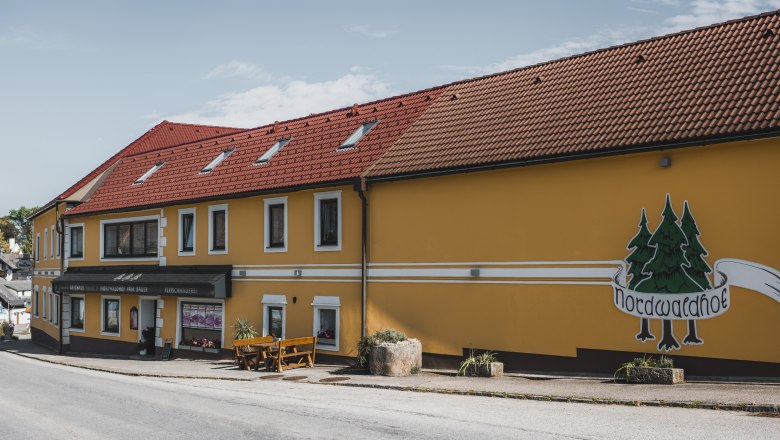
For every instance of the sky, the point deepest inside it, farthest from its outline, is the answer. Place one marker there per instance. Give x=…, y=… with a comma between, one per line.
x=81, y=80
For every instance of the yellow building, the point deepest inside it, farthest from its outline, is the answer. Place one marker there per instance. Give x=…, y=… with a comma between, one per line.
x=568, y=215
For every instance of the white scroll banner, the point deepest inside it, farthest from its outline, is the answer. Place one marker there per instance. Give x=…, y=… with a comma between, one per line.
x=698, y=305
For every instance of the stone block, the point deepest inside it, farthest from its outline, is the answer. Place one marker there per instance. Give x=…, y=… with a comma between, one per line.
x=398, y=359
x=655, y=375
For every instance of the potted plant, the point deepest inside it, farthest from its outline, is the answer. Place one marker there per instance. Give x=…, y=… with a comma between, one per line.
x=481, y=365
x=648, y=369
x=389, y=352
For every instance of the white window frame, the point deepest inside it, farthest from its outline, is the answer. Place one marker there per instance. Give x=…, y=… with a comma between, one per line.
x=327, y=303
x=274, y=301
x=45, y=300
x=321, y=196
x=267, y=224
x=38, y=247
x=45, y=239
x=202, y=300
x=83, y=319
x=68, y=245
x=213, y=208
x=183, y=212
x=55, y=306
x=103, y=299
x=59, y=245
x=51, y=243
x=36, y=301
x=125, y=220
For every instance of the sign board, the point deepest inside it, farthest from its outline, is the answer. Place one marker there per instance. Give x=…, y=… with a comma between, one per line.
x=166, y=353
x=24, y=266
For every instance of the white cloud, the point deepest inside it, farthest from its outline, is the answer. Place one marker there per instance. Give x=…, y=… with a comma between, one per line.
x=30, y=39
x=295, y=98
x=699, y=13
x=370, y=32
x=239, y=69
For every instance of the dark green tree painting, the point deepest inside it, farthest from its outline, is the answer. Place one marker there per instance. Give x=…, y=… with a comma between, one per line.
x=697, y=267
x=641, y=254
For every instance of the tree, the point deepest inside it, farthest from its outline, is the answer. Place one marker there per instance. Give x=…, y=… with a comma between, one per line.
x=7, y=228
x=697, y=267
x=19, y=217
x=641, y=254
x=667, y=273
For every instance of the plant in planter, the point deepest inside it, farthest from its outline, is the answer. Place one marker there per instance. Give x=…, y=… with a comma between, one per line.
x=389, y=352
x=242, y=329
x=482, y=365
x=648, y=369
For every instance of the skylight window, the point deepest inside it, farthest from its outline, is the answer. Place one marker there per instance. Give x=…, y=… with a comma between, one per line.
x=217, y=160
x=151, y=171
x=273, y=150
x=355, y=137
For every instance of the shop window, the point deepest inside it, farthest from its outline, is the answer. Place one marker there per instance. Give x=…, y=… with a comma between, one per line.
x=130, y=239
x=327, y=221
x=275, y=224
x=218, y=229
x=274, y=315
x=187, y=231
x=110, y=316
x=77, y=312
x=77, y=242
x=326, y=322
x=201, y=325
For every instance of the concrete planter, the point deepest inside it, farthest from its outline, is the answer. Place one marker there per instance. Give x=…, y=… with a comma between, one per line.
x=494, y=369
x=398, y=359
x=655, y=375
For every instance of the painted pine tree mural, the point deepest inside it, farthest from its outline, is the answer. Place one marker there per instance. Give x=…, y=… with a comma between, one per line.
x=641, y=254
x=697, y=267
x=667, y=273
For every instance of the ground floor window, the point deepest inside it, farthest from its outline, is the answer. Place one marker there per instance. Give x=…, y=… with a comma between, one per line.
x=55, y=316
x=110, y=315
x=201, y=324
x=326, y=322
x=274, y=315
x=77, y=312
x=35, y=302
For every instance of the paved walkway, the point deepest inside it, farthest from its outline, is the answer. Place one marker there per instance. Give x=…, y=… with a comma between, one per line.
x=755, y=397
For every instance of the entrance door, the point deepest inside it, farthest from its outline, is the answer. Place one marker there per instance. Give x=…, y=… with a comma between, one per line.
x=147, y=320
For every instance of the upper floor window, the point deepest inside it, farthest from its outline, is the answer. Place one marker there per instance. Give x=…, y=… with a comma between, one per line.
x=147, y=174
x=130, y=239
x=355, y=137
x=45, y=239
x=187, y=231
x=217, y=160
x=52, y=239
x=218, y=229
x=327, y=221
x=275, y=224
x=273, y=150
x=38, y=247
x=77, y=242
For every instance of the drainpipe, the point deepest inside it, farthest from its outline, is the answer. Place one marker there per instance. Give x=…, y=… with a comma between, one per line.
x=360, y=187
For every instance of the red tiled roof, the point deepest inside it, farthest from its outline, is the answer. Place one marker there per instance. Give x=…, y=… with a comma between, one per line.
x=164, y=134
x=310, y=158
x=714, y=82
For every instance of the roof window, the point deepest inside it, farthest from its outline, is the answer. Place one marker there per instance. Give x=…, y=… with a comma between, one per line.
x=217, y=160
x=355, y=137
x=273, y=150
x=147, y=174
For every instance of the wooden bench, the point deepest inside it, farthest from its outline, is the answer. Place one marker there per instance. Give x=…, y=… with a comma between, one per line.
x=246, y=356
x=304, y=349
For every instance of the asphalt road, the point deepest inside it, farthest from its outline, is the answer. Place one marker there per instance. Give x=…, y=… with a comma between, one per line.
x=46, y=401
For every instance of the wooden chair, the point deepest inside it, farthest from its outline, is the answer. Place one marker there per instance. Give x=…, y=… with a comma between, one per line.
x=304, y=349
x=246, y=357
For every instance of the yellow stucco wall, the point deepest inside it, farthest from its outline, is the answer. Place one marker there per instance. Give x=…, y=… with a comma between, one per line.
x=46, y=266
x=585, y=210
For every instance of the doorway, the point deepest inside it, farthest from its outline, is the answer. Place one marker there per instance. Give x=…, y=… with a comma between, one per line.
x=147, y=320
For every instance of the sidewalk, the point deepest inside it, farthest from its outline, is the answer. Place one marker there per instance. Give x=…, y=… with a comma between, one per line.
x=753, y=397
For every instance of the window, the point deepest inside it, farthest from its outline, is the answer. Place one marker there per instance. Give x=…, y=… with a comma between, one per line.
x=77, y=242
x=275, y=220
x=45, y=300
x=187, y=231
x=55, y=316
x=217, y=160
x=37, y=247
x=273, y=150
x=327, y=221
x=355, y=137
x=201, y=321
x=51, y=308
x=326, y=322
x=218, y=229
x=45, y=239
x=130, y=239
x=274, y=315
x=57, y=240
x=77, y=312
x=147, y=174
x=35, y=301
x=110, y=316
x=51, y=243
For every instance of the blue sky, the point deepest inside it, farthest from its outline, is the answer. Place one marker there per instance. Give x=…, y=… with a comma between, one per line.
x=80, y=80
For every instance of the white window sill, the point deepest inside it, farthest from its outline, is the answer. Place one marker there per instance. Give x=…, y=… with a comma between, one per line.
x=333, y=348
x=76, y=330
x=108, y=260
x=187, y=253
x=109, y=334
x=327, y=248
x=273, y=250
x=213, y=252
x=75, y=259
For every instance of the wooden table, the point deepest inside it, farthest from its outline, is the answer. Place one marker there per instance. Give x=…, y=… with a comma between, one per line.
x=263, y=349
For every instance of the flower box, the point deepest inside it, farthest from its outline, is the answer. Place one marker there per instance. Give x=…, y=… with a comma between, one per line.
x=493, y=369
x=654, y=375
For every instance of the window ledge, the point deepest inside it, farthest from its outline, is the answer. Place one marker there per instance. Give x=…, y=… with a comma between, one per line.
x=76, y=330
x=271, y=250
x=327, y=248
x=109, y=334
x=218, y=252
x=108, y=260
x=186, y=253
x=327, y=348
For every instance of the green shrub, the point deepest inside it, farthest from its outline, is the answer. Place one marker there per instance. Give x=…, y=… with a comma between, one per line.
x=367, y=343
x=475, y=362
x=242, y=329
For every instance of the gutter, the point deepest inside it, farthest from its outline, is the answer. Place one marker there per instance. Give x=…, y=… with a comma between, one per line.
x=360, y=186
